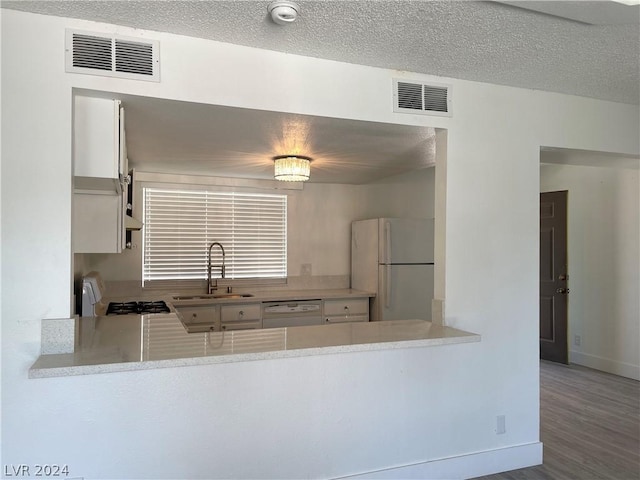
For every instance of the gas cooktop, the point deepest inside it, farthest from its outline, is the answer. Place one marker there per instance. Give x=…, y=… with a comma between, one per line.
x=137, y=308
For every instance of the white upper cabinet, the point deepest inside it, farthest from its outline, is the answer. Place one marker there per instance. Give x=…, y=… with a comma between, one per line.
x=99, y=146
x=100, y=176
x=98, y=223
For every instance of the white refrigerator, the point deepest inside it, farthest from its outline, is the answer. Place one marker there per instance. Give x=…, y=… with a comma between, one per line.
x=393, y=257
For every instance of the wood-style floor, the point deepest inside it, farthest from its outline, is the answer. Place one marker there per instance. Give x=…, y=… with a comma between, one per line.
x=590, y=426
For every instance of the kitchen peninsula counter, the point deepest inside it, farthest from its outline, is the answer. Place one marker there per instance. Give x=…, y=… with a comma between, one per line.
x=139, y=342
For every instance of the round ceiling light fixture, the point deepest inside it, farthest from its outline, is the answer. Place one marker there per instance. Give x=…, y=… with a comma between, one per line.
x=292, y=168
x=283, y=12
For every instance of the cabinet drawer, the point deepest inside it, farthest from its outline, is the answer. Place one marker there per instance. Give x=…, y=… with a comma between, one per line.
x=351, y=306
x=346, y=319
x=198, y=315
x=234, y=313
x=242, y=325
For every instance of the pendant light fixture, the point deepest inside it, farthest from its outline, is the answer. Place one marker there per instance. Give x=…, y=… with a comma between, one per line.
x=292, y=168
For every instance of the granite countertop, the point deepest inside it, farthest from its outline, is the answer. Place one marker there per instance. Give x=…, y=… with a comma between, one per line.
x=136, y=342
x=256, y=296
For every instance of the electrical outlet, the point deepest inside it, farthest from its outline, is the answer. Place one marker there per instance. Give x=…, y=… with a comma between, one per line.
x=577, y=340
x=501, y=424
x=305, y=270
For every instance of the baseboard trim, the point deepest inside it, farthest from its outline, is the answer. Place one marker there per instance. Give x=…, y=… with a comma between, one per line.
x=605, y=364
x=471, y=465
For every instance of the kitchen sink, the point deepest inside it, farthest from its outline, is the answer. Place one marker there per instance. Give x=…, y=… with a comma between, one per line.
x=233, y=295
x=214, y=295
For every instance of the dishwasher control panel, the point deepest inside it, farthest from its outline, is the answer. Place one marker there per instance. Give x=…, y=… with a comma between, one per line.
x=292, y=307
x=291, y=314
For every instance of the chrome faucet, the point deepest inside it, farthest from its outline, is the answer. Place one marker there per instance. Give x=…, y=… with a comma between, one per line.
x=210, y=287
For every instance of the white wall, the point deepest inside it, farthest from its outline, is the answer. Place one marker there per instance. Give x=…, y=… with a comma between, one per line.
x=319, y=231
x=408, y=195
x=604, y=264
x=323, y=416
x=321, y=216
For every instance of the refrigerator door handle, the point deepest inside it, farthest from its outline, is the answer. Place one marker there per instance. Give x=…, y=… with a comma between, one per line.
x=387, y=252
x=387, y=260
x=387, y=286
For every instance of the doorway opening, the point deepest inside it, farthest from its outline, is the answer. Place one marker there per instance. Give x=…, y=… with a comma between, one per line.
x=603, y=255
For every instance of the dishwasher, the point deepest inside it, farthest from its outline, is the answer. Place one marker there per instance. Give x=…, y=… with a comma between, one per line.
x=291, y=314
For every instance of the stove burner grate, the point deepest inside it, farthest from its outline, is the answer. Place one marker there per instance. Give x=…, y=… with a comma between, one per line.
x=136, y=308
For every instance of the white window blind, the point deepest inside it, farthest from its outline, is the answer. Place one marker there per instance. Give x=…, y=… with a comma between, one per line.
x=179, y=226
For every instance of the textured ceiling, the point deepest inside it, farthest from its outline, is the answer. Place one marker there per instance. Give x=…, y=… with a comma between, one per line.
x=191, y=138
x=483, y=41
x=594, y=52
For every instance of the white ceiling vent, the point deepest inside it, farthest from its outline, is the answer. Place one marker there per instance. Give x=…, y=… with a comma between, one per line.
x=421, y=98
x=98, y=54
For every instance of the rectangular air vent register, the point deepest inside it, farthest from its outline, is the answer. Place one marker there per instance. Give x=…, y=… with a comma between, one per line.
x=112, y=56
x=421, y=98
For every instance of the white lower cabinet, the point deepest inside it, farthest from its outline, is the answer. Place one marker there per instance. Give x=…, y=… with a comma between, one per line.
x=346, y=310
x=246, y=316
x=249, y=316
x=200, y=318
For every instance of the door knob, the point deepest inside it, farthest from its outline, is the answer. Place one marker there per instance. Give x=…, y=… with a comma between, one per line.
x=563, y=290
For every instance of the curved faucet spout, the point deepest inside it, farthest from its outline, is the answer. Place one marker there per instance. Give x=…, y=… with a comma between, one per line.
x=210, y=286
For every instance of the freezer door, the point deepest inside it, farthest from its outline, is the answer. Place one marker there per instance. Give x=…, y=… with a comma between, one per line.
x=404, y=292
x=404, y=240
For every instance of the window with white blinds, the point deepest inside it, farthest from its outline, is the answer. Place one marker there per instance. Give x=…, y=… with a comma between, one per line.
x=180, y=225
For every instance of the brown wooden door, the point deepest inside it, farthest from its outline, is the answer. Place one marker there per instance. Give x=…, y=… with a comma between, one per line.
x=553, y=277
